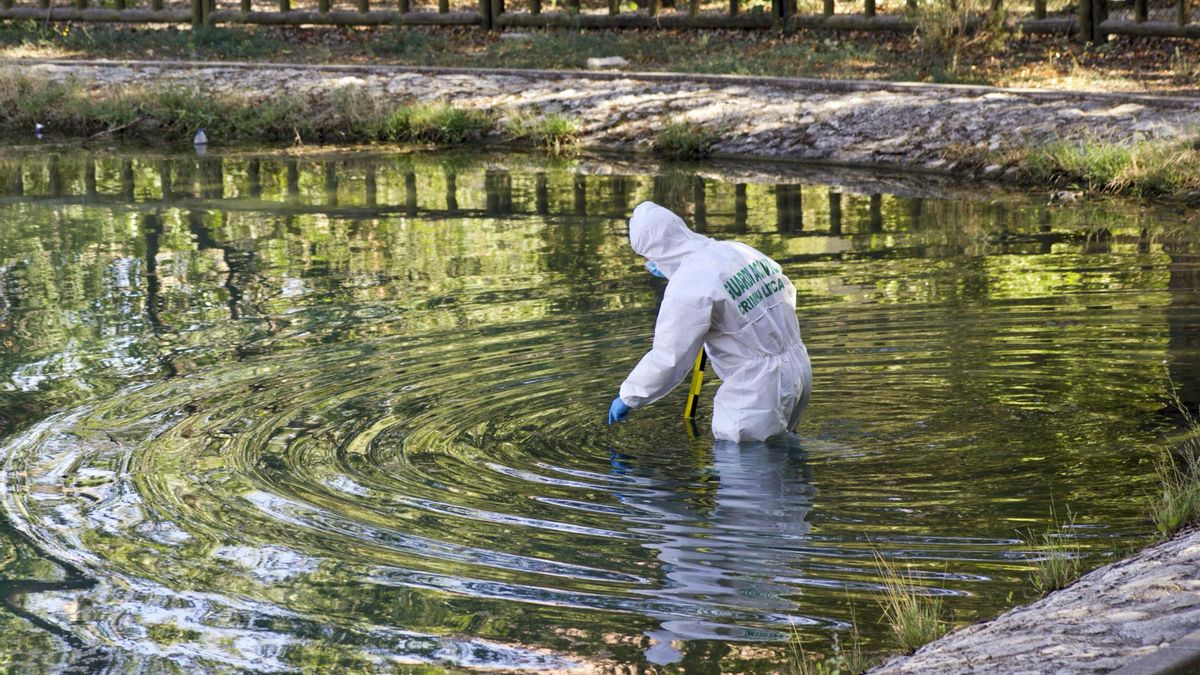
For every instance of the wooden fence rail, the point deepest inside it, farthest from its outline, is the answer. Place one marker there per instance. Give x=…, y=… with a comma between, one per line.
x=1091, y=20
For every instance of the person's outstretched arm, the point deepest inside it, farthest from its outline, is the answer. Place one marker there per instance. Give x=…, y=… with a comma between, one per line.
x=683, y=321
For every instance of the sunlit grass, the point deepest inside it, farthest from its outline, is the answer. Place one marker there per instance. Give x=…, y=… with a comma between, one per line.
x=172, y=113
x=1059, y=556
x=553, y=132
x=685, y=140
x=915, y=618
x=1146, y=168
x=1178, y=469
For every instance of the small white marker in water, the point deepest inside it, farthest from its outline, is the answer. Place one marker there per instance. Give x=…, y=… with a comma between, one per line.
x=201, y=142
x=37, y=130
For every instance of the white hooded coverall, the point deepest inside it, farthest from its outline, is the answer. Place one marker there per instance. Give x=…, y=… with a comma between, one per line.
x=737, y=303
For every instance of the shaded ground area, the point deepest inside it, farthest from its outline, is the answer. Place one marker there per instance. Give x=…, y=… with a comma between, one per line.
x=1125, y=64
x=1109, y=618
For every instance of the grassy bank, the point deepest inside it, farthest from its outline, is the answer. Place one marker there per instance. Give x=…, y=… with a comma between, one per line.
x=172, y=115
x=1132, y=168
x=942, y=52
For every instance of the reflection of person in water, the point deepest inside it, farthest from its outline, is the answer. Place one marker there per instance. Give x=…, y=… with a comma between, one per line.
x=721, y=557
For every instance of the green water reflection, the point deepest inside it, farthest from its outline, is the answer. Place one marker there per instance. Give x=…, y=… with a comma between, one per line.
x=346, y=410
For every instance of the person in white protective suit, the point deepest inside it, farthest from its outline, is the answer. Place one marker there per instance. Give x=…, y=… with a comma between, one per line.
x=737, y=303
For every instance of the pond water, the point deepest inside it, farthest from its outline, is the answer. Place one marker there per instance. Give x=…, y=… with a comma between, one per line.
x=347, y=410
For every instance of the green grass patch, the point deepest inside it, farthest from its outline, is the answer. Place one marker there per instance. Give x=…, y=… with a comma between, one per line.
x=1178, y=468
x=1059, y=556
x=554, y=132
x=685, y=140
x=1144, y=168
x=118, y=40
x=173, y=114
x=914, y=617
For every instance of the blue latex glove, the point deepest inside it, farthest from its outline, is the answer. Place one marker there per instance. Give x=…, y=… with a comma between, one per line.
x=653, y=269
x=618, y=411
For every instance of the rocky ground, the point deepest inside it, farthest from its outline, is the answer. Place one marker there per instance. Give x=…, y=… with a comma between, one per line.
x=920, y=126
x=1107, y=620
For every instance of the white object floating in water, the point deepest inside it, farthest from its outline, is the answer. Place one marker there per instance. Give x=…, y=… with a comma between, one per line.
x=606, y=62
x=37, y=130
x=201, y=138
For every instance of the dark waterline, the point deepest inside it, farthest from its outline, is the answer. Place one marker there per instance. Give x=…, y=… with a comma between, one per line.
x=346, y=410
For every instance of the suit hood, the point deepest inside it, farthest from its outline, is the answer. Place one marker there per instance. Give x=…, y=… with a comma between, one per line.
x=657, y=234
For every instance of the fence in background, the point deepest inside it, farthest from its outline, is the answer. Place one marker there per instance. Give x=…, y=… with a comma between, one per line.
x=1090, y=20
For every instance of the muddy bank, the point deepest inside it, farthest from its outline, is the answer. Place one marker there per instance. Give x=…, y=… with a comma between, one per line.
x=899, y=125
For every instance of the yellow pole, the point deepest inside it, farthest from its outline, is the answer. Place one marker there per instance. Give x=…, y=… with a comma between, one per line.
x=689, y=411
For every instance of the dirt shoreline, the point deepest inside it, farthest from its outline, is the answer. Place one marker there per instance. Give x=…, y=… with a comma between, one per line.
x=855, y=123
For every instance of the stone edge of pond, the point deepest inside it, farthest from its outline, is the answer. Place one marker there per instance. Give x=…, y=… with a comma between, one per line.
x=1126, y=617
x=799, y=83
x=972, y=131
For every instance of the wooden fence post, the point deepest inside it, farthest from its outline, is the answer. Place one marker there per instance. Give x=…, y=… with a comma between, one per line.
x=541, y=192
x=485, y=14
x=371, y=187
x=835, y=213
x=410, y=194
x=1140, y=11
x=254, y=178
x=693, y=7
x=789, y=213
x=364, y=6
x=535, y=7
x=614, y=7
x=43, y=4
x=197, y=14
x=497, y=10
x=1099, y=16
x=1039, y=9
x=245, y=8
x=285, y=5
x=89, y=177
x=1087, y=27
x=322, y=6
x=573, y=6
x=579, y=188
x=733, y=7
x=443, y=6
x=452, y=192
x=652, y=7
x=403, y=6
x=828, y=9
x=80, y=4
x=1181, y=12
x=128, y=188
x=740, y=209
x=869, y=8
